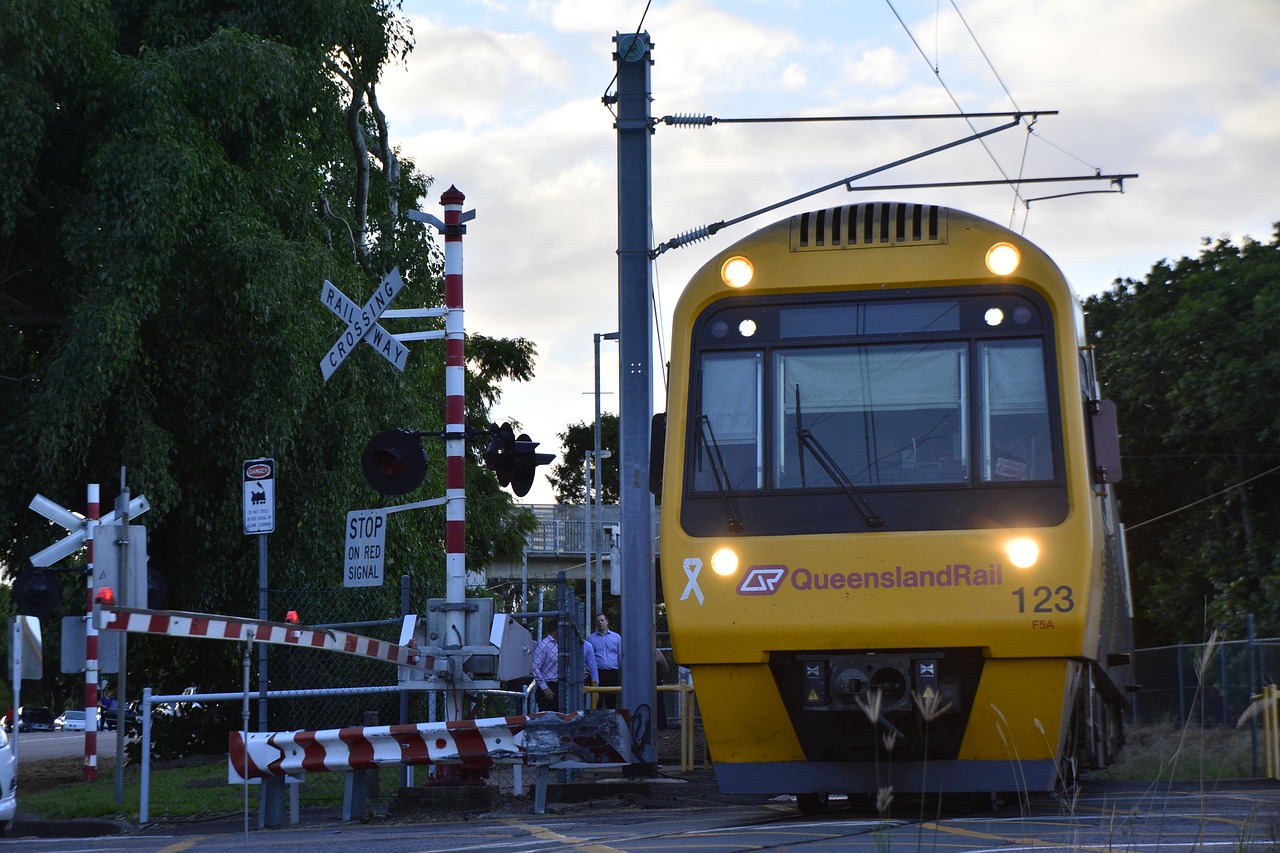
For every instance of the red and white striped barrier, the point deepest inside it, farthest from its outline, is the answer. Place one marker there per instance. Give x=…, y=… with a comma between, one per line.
x=175, y=623
x=583, y=739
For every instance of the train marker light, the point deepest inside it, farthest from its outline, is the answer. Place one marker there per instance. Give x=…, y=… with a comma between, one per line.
x=724, y=562
x=1023, y=552
x=993, y=317
x=737, y=271
x=1003, y=258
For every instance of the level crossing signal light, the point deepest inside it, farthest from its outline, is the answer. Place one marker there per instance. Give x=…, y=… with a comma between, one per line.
x=395, y=462
x=514, y=459
x=37, y=592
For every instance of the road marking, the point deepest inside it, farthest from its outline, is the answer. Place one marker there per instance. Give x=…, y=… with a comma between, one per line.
x=543, y=834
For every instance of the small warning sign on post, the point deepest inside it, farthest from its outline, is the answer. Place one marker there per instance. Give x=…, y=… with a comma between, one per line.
x=366, y=537
x=259, y=496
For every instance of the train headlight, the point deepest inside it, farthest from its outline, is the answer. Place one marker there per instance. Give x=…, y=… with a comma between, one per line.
x=724, y=562
x=737, y=271
x=1023, y=552
x=1003, y=258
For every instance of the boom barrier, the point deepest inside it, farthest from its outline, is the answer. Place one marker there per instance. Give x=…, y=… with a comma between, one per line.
x=548, y=739
x=176, y=623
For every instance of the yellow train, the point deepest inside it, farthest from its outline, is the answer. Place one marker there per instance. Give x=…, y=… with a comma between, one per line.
x=889, y=546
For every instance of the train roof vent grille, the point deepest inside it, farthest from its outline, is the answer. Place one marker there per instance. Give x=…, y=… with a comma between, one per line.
x=865, y=226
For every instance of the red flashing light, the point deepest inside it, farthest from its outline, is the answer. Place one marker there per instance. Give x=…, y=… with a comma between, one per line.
x=291, y=617
x=106, y=596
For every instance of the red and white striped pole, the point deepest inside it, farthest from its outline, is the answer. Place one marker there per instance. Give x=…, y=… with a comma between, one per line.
x=455, y=440
x=91, y=651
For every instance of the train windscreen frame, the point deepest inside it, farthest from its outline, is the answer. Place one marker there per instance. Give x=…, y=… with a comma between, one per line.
x=916, y=410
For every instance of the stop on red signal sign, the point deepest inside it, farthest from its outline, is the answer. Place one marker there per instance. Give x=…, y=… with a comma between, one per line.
x=366, y=538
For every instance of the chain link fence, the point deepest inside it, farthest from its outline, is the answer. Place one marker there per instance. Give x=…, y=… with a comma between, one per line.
x=1202, y=684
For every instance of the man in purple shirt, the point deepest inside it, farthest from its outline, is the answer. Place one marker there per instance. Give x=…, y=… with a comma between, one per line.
x=546, y=668
x=608, y=648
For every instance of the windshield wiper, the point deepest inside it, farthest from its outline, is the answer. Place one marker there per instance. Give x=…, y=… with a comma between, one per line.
x=808, y=441
x=720, y=473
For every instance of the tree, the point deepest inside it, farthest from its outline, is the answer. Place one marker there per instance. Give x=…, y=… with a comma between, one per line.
x=1189, y=356
x=180, y=180
x=568, y=477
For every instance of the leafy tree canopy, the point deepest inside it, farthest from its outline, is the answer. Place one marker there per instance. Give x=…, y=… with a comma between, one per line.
x=180, y=181
x=568, y=477
x=1190, y=356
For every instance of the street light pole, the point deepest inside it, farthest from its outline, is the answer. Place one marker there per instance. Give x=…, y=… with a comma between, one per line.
x=598, y=515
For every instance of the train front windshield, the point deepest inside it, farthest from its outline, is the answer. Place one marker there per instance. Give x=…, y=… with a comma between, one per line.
x=873, y=394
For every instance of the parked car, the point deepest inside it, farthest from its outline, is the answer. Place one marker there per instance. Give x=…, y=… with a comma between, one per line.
x=8, y=781
x=107, y=719
x=35, y=719
x=70, y=721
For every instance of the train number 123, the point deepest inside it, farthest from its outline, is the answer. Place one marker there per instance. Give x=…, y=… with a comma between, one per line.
x=1045, y=600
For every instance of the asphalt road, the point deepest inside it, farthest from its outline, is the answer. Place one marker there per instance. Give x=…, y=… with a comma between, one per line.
x=38, y=746
x=679, y=814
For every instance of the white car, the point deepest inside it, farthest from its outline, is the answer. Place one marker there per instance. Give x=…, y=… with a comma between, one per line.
x=8, y=781
x=70, y=721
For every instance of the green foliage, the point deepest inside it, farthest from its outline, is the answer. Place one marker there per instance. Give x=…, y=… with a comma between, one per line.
x=568, y=477
x=180, y=180
x=193, y=730
x=1190, y=357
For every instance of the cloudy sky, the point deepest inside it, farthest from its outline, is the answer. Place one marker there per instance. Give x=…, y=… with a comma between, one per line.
x=502, y=99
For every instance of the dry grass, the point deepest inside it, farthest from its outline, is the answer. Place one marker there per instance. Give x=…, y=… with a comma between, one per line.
x=1171, y=753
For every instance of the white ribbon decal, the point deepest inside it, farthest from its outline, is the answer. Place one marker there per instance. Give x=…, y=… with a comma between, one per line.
x=692, y=568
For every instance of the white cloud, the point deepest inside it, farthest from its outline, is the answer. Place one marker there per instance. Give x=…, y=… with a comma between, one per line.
x=502, y=99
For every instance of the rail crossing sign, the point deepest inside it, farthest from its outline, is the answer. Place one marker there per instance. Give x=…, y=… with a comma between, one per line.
x=362, y=324
x=366, y=539
x=76, y=525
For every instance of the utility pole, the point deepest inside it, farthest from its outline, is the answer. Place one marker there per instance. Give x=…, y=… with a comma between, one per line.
x=635, y=329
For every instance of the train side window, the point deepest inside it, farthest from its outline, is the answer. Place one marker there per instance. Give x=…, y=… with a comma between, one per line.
x=727, y=423
x=1015, y=436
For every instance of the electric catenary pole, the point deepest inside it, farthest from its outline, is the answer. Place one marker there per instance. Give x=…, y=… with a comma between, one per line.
x=635, y=324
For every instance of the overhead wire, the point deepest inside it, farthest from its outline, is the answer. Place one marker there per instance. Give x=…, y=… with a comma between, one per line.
x=937, y=73
x=604, y=99
x=1031, y=131
x=1132, y=527
x=655, y=296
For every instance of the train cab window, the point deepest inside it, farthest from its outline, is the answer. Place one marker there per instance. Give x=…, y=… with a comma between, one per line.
x=728, y=423
x=884, y=414
x=922, y=410
x=1015, y=412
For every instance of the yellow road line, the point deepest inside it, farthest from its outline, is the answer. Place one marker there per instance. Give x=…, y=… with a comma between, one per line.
x=186, y=844
x=543, y=834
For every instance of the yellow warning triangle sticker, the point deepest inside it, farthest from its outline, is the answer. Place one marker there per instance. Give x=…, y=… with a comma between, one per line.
x=813, y=696
x=928, y=693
